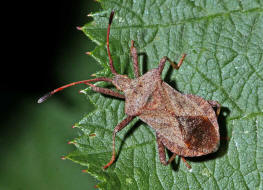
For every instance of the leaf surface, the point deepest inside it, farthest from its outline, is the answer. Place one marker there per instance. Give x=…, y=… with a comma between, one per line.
x=224, y=45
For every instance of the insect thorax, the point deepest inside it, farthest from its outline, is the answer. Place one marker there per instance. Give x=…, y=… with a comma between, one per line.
x=137, y=91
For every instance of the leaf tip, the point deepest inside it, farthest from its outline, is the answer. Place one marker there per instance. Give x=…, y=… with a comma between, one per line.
x=88, y=53
x=79, y=28
x=63, y=157
x=71, y=142
x=82, y=92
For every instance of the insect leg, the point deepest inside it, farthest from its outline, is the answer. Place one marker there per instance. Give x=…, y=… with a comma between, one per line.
x=161, y=150
x=135, y=60
x=162, y=154
x=106, y=91
x=174, y=65
x=186, y=163
x=216, y=105
x=118, y=128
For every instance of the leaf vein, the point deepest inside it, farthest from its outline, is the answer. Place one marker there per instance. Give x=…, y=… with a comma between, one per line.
x=189, y=20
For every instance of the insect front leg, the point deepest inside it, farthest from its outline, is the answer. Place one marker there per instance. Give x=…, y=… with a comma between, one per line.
x=135, y=60
x=174, y=65
x=106, y=91
x=216, y=105
x=118, y=128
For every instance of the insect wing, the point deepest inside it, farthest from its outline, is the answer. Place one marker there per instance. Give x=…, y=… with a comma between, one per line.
x=198, y=133
x=165, y=124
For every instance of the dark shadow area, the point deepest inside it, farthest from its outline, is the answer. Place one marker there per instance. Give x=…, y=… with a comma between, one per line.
x=224, y=141
x=144, y=62
x=168, y=76
x=174, y=165
x=44, y=31
x=39, y=36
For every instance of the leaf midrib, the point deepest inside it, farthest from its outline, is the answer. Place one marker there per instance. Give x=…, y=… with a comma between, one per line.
x=189, y=20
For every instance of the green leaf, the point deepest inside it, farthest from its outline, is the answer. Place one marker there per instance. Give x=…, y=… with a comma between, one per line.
x=224, y=45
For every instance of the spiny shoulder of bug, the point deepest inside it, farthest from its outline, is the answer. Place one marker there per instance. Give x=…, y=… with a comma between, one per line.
x=126, y=84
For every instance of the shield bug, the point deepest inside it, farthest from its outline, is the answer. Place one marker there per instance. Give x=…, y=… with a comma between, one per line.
x=185, y=124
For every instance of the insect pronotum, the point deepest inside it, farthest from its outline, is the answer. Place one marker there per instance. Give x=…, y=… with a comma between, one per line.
x=185, y=124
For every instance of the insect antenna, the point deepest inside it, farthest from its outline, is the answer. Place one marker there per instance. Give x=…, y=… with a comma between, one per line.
x=46, y=96
x=108, y=45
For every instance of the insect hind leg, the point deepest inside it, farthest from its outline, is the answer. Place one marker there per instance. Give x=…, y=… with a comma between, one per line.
x=162, y=155
x=186, y=163
x=216, y=105
x=118, y=128
x=161, y=150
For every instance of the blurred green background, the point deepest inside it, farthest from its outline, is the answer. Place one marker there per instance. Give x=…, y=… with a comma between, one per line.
x=46, y=52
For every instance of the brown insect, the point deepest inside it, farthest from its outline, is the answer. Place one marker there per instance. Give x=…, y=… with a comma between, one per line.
x=186, y=124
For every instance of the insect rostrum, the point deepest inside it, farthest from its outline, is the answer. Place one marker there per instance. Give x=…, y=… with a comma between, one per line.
x=186, y=124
